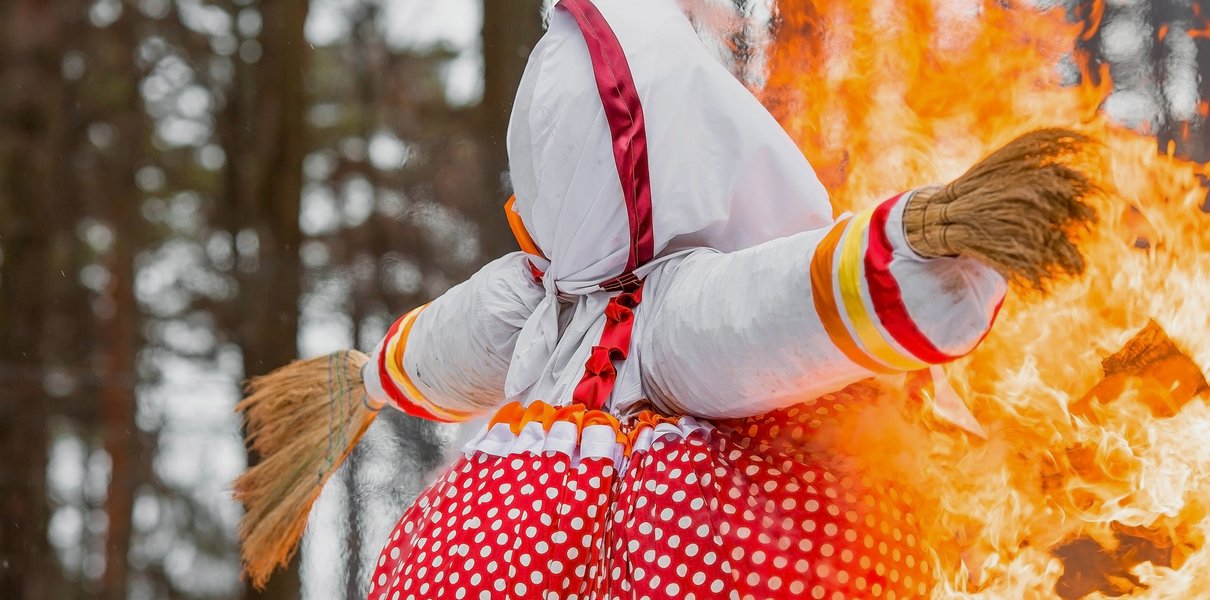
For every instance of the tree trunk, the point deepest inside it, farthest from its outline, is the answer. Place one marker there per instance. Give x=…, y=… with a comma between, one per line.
x=266, y=147
x=120, y=330
x=31, y=132
x=511, y=28
x=355, y=580
x=1201, y=129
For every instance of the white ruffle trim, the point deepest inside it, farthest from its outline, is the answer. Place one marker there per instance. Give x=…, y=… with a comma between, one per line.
x=595, y=441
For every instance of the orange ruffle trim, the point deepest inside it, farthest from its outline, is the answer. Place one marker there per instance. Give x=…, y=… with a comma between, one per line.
x=517, y=416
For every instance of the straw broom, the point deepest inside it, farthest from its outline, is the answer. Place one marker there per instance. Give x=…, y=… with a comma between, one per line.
x=1018, y=210
x=302, y=420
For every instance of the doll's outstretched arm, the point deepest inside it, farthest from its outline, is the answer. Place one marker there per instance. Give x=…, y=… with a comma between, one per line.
x=915, y=282
x=739, y=334
x=447, y=360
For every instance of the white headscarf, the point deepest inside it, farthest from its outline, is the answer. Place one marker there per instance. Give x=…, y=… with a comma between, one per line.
x=724, y=174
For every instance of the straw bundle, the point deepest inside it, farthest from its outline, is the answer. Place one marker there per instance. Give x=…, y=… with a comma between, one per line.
x=1019, y=210
x=302, y=421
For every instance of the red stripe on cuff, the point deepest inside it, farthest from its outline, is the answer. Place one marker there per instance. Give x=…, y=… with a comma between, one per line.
x=401, y=401
x=886, y=295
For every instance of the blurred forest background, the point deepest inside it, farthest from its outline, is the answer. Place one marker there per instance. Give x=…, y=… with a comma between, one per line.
x=193, y=192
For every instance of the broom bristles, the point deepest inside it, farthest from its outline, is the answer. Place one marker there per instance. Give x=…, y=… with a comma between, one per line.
x=1020, y=211
x=302, y=421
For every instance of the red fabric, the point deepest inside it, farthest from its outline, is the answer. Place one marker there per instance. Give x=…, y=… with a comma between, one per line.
x=624, y=112
x=537, y=273
x=995, y=314
x=599, y=373
x=401, y=401
x=743, y=512
x=886, y=296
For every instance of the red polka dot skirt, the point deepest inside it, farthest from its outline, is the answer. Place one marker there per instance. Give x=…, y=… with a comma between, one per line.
x=653, y=508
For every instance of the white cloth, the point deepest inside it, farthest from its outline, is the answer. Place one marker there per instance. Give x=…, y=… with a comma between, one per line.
x=717, y=334
x=724, y=175
x=736, y=334
x=458, y=350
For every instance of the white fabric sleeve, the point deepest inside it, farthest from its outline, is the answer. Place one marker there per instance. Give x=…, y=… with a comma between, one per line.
x=450, y=357
x=743, y=333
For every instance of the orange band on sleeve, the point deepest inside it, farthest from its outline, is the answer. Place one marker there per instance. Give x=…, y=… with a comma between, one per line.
x=824, y=298
x=399, y=376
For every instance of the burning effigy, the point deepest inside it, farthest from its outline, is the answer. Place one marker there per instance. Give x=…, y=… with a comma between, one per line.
x=721, y=368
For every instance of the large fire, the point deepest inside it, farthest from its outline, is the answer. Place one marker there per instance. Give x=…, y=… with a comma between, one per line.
x=1074, y=493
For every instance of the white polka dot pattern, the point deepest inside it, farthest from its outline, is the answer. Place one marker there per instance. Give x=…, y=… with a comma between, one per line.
x=717, y=514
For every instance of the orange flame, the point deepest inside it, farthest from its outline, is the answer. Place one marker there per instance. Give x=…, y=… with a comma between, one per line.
x=884, y=96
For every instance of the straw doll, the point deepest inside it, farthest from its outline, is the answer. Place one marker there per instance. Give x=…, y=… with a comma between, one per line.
x=683, y=287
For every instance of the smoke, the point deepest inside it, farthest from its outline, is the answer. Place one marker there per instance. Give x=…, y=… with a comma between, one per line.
x=738, y=32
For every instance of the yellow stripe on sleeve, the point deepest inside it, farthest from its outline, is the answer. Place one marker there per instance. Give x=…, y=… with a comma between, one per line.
x=394, y=352
x=823, y=278
x=851, y=290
